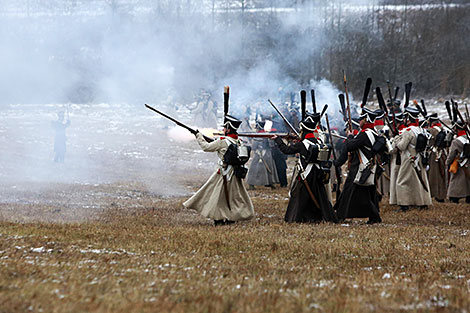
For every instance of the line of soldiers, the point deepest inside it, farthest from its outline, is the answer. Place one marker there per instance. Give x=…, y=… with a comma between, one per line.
x=412, y=161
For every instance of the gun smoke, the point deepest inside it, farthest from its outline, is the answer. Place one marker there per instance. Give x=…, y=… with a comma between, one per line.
x=100, y=61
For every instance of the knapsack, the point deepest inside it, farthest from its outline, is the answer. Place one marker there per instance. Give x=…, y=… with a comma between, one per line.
x=237, y=154
x=440, y=141
x=421, y=142
x=466, y=151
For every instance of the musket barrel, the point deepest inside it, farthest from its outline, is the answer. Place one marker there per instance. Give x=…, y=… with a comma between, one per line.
x=193, y=131
x=284, y=119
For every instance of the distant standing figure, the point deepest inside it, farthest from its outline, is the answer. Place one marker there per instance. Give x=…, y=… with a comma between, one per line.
x=263, y=170
x=60, y=138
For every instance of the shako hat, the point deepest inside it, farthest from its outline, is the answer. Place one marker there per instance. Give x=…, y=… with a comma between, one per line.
x=379, y=113
x=368, y=114
x=396, y=103
x=411, y=113
x=432, y=117
x=459, y=125
x=310, y=121
x=231, y=122
x=399, y=116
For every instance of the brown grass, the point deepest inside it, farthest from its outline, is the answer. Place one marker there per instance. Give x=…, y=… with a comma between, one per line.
x=132, y=251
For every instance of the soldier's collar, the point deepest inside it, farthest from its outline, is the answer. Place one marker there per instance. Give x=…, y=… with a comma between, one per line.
x=234, y=136
x=367, y=126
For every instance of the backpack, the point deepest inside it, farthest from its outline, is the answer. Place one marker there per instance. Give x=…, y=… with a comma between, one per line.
x=421, y=142
x=237, y=154
x=380, y=145
x=440, y=141
x=466, y=151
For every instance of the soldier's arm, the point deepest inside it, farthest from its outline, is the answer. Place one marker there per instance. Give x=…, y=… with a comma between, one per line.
x=404, y=140
x=213, y=146
x=287, y=149
x=354, y=143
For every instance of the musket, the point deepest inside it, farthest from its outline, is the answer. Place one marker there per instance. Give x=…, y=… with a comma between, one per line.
x=262, y=135
x=337, y=169
x=325, y=107
x=447, y=126
x=347, y=101
x=226, y=99
x=467, y=116
x=289, y=125
x=193, y=131
x=456, y=110
x=392, y=106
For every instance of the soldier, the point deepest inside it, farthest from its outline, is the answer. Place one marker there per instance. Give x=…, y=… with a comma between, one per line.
x=60, y=139
x=395, y=160
x=412, y=185
x=262, y=169
x=437, y=158
x=223, y=198
x=308, y=202
x=359, y=196
x=457, y=162
x=205, y=113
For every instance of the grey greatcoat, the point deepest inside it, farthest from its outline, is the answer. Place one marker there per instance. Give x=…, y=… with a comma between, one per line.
x=437, y=168
x=459, y=185
x=409, y=189
x=263, y=170
x=210, y=199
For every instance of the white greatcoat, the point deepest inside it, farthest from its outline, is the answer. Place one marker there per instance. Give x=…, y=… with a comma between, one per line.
x=210, y=200
x=409, y=190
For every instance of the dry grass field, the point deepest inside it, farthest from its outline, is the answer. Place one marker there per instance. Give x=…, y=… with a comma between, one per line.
x=136, y=251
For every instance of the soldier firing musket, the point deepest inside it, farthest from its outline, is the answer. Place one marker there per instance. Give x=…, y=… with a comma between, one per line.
x=309, y=201
x=223, y=198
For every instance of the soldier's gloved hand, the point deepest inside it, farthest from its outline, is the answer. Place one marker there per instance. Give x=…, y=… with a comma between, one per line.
x=196, y=132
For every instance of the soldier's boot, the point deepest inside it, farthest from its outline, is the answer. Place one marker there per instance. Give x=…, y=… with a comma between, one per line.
x=439, y=200
x=404, y=208
x=454, y=200
x=218, y=222
x=467, y=199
